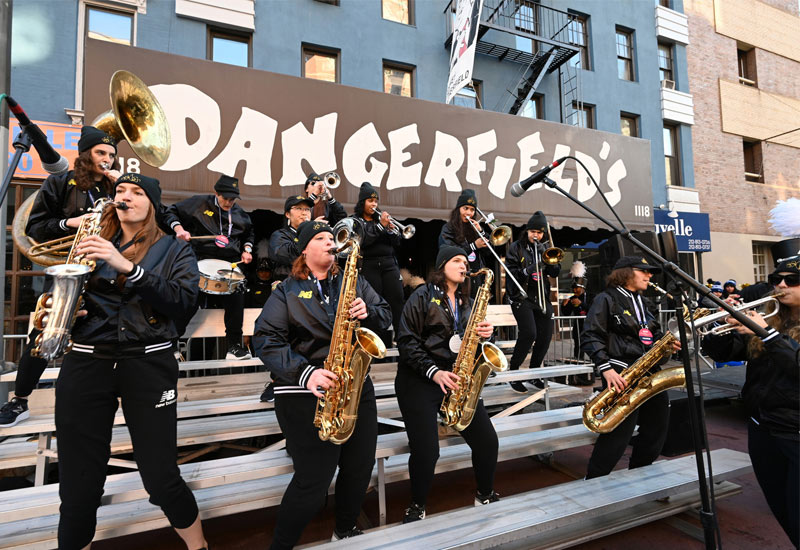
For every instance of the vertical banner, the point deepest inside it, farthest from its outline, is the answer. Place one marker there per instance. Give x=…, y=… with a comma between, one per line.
x=462, y=47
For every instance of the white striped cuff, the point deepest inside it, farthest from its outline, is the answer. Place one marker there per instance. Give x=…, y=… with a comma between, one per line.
x=618, y=363
x=137, y=274
x=152, y=348
x=604, y=366
x=306, y=374
x=63, y=224
x=174, y=224
x=771, y=333
x=431, y=371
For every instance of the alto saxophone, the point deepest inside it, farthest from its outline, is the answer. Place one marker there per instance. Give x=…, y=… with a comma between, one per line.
x=352, y=349
x=458, y=406
x=606, y=410
x=57, y=310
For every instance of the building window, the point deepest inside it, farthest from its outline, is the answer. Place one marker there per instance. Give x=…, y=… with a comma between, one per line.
x=665, y=3
x=753, y=161
x=671, y=156
x=230, y=48
x=320, y=64
x=526, y=17
x=468, y=96
x=109, y=25
x=533, y=108
x=665, y=63
x=747, y=65
x=582, y=115
x=759, y=262
x=629, y=125
x=578, y=35
x=398, y=80
x=624, y=54
x=399, y=11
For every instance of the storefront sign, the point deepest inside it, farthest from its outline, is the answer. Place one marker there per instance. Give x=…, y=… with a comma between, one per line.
x=692, y=230
x=63, y=138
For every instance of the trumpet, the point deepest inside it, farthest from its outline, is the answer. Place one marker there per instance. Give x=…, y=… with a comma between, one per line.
x=332, y=180
x=477, y=227
x=406, y=231
x=501, y=234
x=770, y=304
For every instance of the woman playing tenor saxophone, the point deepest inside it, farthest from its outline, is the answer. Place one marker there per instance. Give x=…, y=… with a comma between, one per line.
x=619, y=329
x=294, y=334
x=431, y=332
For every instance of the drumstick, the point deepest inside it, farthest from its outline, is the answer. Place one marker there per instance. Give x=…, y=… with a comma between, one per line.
x=203, y=237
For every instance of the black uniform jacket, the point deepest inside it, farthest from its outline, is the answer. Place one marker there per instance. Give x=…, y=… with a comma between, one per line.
x=610, y=334
x=771, y=390
x=283, y=251
x=334, y=211
x=521, y=261
x=426, y=327
x=293, y=332
x=377, y=242
x=59, y=199
x=201, y=215
x=448, y=237
x=154, y=304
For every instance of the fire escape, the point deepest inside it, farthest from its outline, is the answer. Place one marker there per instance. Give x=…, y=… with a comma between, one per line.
x=535, y=37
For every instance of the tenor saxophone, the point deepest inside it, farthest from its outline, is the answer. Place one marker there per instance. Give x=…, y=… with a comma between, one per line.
x=57, y=310
x=352, y=349
x=458, y=406
x=606, y=410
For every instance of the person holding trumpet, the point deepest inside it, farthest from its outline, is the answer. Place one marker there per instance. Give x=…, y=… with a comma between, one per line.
x=326, y=208
x=771, y=393
x=380, y=265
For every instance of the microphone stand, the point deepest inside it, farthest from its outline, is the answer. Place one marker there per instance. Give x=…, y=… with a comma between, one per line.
x=22, y=144
x=707, y=514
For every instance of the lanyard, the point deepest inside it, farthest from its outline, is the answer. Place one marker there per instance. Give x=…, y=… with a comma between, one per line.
x=641, y=315
x=230, y=218
x=453, y=311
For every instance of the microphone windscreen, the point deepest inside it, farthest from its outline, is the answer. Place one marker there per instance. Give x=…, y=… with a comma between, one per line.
x=58, y=167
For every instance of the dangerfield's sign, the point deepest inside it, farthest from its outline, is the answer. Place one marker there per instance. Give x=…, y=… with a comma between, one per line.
x=270, y=130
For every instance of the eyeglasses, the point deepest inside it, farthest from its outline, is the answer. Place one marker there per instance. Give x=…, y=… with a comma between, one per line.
x=792, y=279
x=300, y=209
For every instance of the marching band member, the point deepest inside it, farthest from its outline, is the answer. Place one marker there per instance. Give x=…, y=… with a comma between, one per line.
x=619, y=329
x=57, y=212
x=283, y=242
x=459, y=232
x=144, y=283
x=294, y=333
x=534, y=318
x=218, y=215
x=431, y=329
x=576, y=305
x=380, y=266
x=771, y=394
x=326, y=208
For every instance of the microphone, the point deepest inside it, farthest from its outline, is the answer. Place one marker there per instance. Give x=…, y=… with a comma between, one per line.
x=518, y=189
x=52, y=161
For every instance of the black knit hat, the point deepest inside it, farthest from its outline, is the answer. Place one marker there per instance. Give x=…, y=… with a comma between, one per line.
x=91, y=136
x=295, y=200
x=447, y=253
x=312, y=178
x=467, y=198
x=367, y=192
x=538, y=221
x=150, y=186
x=307, y=230
x=227, y=186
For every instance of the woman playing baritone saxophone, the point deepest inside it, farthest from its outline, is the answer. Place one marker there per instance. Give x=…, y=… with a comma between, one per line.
x=618, y=330
x=431, y=329
x=144, y=284
x=771, y=394
x=293, y=334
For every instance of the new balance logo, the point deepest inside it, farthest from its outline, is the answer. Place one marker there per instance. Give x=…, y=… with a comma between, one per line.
x=167, y=398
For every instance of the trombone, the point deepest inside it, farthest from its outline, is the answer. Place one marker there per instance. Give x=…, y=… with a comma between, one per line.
x=501, y=234
x=552, y=255
x=485, y=239
x=406, y=231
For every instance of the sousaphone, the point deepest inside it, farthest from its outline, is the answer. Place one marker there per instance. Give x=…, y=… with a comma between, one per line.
x=136, y=117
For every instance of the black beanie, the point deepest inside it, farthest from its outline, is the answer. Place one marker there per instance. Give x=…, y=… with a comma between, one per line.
x=91, y=136
x=308, y=230
x=150, y=186
x=537, y=221
x=367, y=192
x=447, y=253
x=467, y=198
x=312, y=177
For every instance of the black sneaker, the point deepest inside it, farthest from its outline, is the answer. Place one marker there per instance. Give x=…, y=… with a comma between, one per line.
x=518, y=387
x=269, y=393
x=480, y=499
x=339, y=535
x=415, y=512
x=13, y=411
x=237, y=353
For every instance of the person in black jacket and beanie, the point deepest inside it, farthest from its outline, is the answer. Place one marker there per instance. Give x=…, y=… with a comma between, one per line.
x=293, y=334
x=458, y=231
x=534, y=314
x=619, y=329
x=380, y=266
x=771, y=394
x=431, y=331
x=144, y=284
x=325, y=208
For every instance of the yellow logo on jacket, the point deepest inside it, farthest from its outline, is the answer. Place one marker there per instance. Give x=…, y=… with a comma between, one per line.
x=304, y=294
x=209, y=213
x=626, y=312
x=72, y=182
x=436, y=301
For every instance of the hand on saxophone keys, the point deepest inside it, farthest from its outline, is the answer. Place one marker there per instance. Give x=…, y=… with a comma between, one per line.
x=95, y=247
x=320, y=381
x=485, y=329
x=358, y=309
x=446, y=380
x=614, y=380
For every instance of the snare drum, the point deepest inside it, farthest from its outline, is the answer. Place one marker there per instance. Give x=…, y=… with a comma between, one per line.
x=217, y=277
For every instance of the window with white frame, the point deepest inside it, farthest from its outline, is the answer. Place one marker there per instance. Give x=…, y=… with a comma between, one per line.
x=759, y=262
